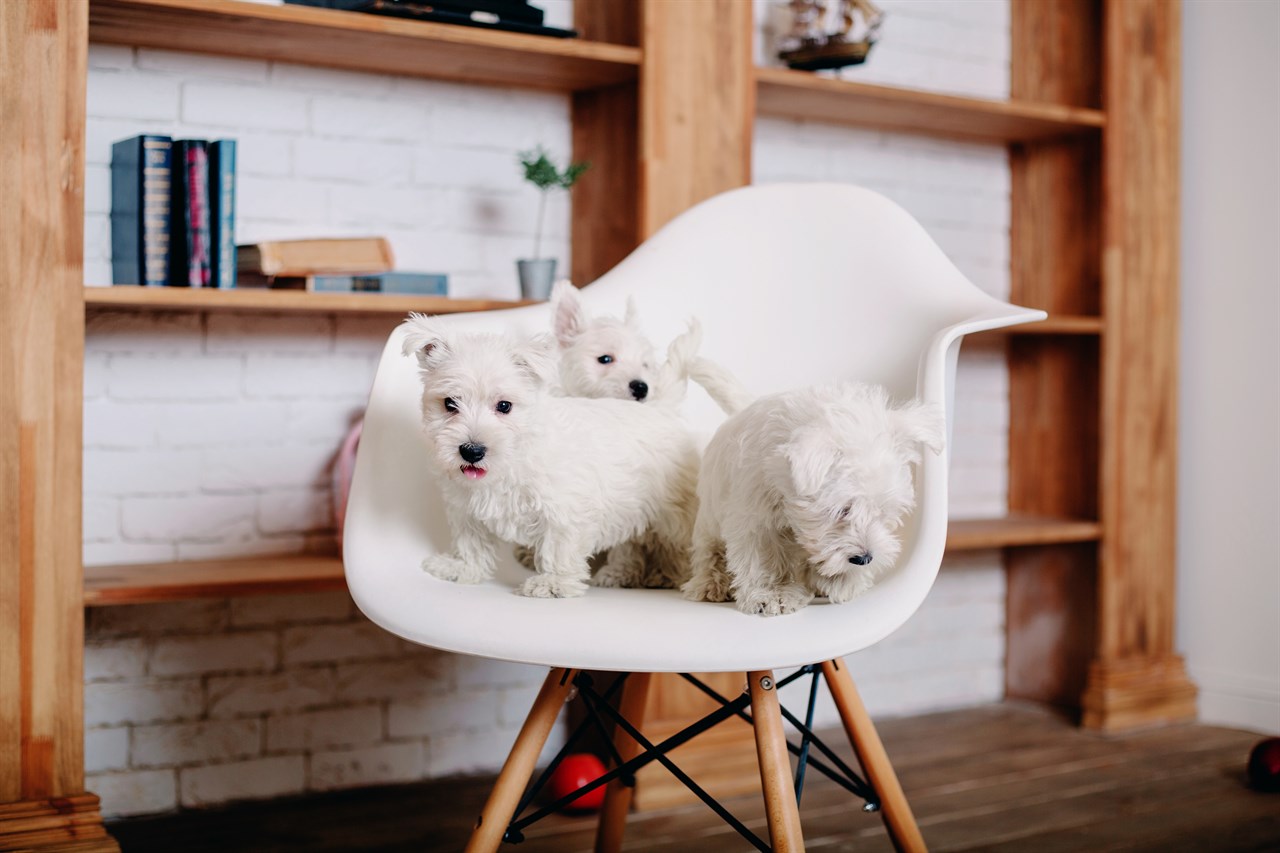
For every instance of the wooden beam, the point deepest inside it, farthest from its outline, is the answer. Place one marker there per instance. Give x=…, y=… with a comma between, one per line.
x=606, y=134
x=1136, y=679
x=1055, y=250
x=802, y=95
x=372, y=43
x=697, y=111
x=43, y=51
x=697, y=105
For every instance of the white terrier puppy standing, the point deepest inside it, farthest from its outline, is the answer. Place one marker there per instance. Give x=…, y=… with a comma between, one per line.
x=568, y=477
x=803, y=493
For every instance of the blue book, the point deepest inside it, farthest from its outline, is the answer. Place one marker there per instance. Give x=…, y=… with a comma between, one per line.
x=189, y=251
x=415, y=283
x=140, y=192
x=222, y=212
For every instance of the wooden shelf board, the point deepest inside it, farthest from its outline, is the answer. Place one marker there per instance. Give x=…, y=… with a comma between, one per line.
x=362, y=42
x=1018, y=530
x=128, y=297
x=1062, y=324
x=784, y=93
x=152, y=582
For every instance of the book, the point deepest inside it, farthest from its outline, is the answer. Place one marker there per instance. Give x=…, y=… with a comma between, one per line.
x=401, y=283
x=189, y=257
x=329, y=256
x=140, y=189
x=222, y=212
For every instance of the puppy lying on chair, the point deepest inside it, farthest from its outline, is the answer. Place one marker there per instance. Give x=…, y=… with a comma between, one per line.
x=803, y=493
x=568, y=477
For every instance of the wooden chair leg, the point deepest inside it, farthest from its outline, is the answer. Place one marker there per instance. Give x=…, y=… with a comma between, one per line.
x=505, y=796
x=617, y=796
x=894, y=809
x=775, y=765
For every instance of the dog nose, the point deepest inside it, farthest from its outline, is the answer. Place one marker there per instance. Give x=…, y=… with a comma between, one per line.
x=639, y=389
x=860, y=559
x=473, y=453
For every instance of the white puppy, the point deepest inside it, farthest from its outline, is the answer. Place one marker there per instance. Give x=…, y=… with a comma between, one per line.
x=803, y=493
x=608, y=357
x=567, y=476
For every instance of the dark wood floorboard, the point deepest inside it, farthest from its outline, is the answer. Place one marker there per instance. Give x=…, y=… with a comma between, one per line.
x=997, y=779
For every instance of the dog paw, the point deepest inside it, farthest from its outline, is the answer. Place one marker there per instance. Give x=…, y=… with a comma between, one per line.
x=450, y=569
x=552, y=586
x=705, y=588
x=775, y=602
x=525, y=557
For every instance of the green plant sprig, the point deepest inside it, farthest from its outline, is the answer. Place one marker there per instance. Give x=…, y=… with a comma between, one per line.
x=543, y=174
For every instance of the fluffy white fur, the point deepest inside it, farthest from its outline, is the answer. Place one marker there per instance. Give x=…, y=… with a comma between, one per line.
x=803, y=493
x=608, y=357
x=568, y=477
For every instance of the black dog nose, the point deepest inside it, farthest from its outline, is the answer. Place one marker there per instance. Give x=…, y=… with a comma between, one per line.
x=639, y=389
x=860, y=559
x=473, y=453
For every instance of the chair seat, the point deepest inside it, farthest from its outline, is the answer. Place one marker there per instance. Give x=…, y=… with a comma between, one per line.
x=628, y=630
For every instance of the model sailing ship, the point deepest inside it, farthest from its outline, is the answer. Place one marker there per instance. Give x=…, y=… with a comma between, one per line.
x=811, y=46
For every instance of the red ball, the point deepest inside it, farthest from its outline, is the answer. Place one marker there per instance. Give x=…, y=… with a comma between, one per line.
x=575, y=771
x=1264, y=765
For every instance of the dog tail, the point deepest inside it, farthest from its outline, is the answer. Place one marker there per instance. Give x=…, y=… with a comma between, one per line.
x=673, y=376
x=721, y=385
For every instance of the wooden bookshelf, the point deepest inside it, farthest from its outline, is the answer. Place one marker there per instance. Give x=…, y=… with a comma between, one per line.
x=127, y=297
x=361, y=42
x=144, y=583
x=784, y=93
x=150, y=582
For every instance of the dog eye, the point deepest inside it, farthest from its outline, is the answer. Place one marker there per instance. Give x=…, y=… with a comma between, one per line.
x=503, y=407
x=844, y=511
x=605, y=359
x=450, y=405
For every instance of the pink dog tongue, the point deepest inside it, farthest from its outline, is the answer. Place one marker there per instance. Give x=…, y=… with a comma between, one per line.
x=473, y=472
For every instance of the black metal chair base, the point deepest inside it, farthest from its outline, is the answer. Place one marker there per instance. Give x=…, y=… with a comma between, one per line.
x=599, y=707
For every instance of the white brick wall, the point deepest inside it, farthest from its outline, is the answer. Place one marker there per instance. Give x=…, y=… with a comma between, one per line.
x=210, y=436
x=200, y=703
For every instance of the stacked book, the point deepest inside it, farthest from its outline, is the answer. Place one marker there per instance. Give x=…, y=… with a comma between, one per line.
x=334, y=265
x=173, y=212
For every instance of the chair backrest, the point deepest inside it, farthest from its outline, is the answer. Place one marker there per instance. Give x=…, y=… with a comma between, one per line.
x=795, y=284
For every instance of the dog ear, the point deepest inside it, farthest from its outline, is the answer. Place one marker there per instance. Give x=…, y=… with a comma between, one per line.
x=810, y=455
x=632, y=316
x=566, y=310
x=919, y=424
x=536, y=357
x=424, y=339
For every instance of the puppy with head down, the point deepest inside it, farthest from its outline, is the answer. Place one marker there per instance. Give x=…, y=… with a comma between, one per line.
x=804, y=493
x=568, y=477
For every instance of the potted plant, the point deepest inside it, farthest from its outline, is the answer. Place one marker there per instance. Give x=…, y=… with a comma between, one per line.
x=537, y=274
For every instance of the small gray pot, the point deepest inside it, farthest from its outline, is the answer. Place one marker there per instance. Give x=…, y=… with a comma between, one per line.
x=536, y=278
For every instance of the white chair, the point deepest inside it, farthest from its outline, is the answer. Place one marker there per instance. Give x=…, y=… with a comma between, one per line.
x=795, y=284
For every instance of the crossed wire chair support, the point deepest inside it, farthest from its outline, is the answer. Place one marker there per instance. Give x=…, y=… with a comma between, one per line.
x=599, y=706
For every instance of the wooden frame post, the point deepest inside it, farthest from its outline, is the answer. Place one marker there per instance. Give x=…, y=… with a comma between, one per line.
x=781, y=809
x=1136, y=679
x=499, y=809
x=894, y=808
x=43, y=804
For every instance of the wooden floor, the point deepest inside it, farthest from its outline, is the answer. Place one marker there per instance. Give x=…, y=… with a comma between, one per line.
x=999, y=778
